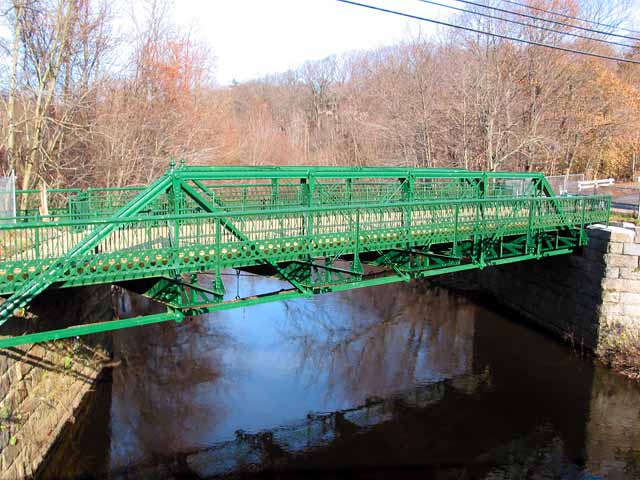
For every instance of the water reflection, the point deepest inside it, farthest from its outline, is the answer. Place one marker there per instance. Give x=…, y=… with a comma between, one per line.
x=394, y=380
x=376, y=342
x=612, y=431
x=156, y=390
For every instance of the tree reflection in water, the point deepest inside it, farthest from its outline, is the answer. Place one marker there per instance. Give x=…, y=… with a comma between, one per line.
x=376, y=341
x=170, y=391
x=162, y=389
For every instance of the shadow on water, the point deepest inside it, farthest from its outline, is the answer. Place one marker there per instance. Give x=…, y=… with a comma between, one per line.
x=374, y=383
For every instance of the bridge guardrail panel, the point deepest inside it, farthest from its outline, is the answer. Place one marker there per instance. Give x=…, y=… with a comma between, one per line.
x=26, y=247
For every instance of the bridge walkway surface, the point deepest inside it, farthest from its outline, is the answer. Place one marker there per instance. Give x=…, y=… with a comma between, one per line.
x=320, y=229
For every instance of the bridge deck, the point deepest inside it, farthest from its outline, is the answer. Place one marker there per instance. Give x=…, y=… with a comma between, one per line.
x=295, y=223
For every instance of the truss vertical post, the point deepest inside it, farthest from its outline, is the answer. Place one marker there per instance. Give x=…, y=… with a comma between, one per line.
x=408, y=196
x=483, y=190
x=356, y=265
x=583, y=233
x=275, y=192
x=529, y=242
x=529, y=221
x=176, y=196
x=455, y=231
x=218, y=285
x=37, y=239
x=244, y=198
x=308, y=219
x=536, y=230
x=309, y=186
x=476, y=232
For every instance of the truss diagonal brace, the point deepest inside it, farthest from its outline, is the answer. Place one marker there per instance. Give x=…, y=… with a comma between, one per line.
x=203, y=203
x=178, y=294
x=41, y=282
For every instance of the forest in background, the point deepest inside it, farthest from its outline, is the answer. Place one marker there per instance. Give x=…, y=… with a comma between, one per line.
x=86, y=104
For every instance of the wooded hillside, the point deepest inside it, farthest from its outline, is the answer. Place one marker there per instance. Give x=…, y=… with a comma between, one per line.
x=86, y=104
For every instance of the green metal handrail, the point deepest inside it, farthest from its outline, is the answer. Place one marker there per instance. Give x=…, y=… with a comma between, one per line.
x=29, y=249
x=602, y=201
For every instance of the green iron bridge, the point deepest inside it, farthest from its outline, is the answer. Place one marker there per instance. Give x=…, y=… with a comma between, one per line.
x=320, y=229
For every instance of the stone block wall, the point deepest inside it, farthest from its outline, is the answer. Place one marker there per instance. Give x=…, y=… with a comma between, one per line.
x=41, y=386
x=583, y=298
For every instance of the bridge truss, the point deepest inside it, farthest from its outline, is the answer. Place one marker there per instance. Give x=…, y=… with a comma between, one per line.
x=320, y=229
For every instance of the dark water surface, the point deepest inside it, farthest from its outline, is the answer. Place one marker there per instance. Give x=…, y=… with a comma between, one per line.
x=398, y=381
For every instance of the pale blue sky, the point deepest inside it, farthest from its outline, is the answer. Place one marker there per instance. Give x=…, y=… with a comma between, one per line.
x=252, y=38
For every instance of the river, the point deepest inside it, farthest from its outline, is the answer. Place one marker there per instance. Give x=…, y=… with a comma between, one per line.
x=396, y=381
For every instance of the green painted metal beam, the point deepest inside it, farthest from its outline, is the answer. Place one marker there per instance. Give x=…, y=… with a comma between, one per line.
x=88, y=329
x=281, y=295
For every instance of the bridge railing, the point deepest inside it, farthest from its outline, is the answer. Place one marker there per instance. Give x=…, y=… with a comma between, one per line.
x=258, y=194
x=33, y=203
x=296, y=228
x=71, y=202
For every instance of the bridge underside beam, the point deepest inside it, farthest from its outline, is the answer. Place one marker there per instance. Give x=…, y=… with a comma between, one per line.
x=305, y=255
x=88, y=329
x=187, y=297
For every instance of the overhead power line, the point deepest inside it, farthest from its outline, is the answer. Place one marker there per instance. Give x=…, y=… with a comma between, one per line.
x=533, y=17
x=524, y=24
x=569, y=17
x=492, y=34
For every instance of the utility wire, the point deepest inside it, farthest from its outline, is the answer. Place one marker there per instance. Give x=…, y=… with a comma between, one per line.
x=533, y=17
x=483, y=32
x=524, y=24
x=593, y=22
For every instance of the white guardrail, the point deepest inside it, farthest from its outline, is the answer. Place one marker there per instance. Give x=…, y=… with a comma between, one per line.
x=594, y=184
